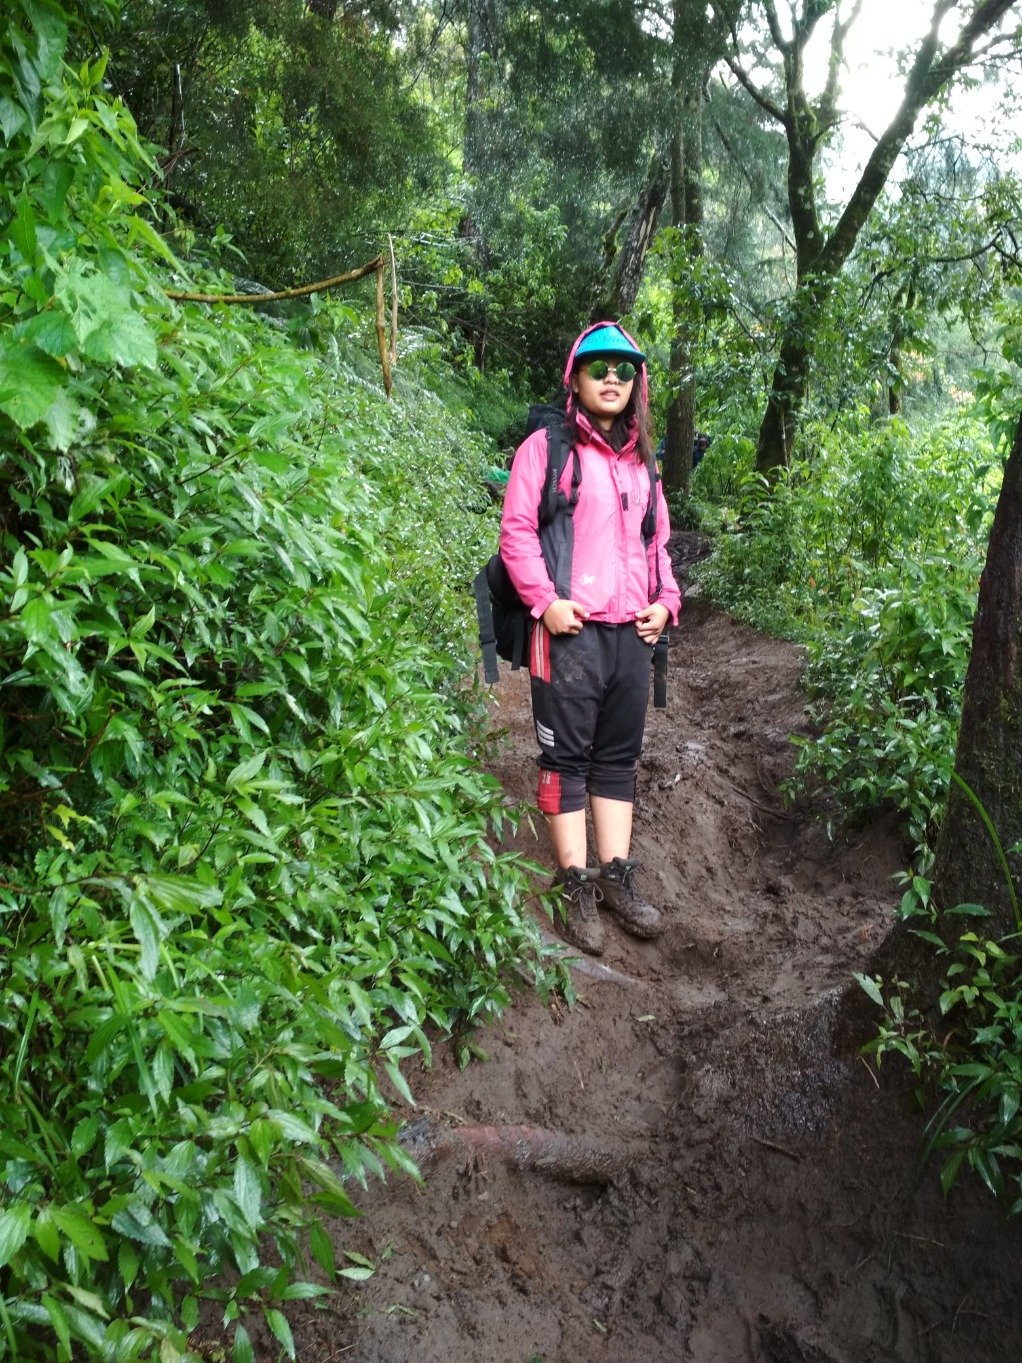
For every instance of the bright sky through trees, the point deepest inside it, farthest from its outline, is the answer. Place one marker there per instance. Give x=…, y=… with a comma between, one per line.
x=872, y=84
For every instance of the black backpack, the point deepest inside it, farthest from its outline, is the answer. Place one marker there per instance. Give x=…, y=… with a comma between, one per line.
x=503, y=617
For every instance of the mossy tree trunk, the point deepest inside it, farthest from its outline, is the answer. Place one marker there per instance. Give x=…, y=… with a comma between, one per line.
x=695, y=51
x=482, y=34
x=989, y=756
x=627, y=266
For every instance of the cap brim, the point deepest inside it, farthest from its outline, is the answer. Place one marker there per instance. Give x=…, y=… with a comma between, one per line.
x=610, y=352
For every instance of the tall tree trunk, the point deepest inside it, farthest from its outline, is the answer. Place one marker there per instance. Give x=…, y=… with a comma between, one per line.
x=627, y=267
x=790, y=380
x=481, y=42
x=691, y=63
x=989, y=756
x=680, y=426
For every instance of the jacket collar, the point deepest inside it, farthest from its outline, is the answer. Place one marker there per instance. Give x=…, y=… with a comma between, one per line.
x=595, y=436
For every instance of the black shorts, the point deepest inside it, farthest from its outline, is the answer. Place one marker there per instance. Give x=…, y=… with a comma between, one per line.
x=589, y=696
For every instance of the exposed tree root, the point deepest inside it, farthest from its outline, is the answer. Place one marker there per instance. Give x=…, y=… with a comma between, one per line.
x=596, y=970
x=566, y=1158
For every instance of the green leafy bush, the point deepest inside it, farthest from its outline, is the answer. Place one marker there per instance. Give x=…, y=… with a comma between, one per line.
x=244, y=868
x=968, y=1064
x=868, y=550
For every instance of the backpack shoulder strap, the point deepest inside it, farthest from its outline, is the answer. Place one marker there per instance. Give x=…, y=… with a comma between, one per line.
x=649, y=521
x=648, y=538
x=558, y=448
x=484, y=616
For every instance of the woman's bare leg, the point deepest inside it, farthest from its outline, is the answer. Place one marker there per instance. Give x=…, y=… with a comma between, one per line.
x=568, y=837
x=612, y=824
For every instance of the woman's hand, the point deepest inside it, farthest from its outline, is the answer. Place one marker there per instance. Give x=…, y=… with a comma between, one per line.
x=652, y=622
x=565, y=617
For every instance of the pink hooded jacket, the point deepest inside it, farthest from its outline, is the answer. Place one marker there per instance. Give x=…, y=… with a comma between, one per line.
x=613, y=576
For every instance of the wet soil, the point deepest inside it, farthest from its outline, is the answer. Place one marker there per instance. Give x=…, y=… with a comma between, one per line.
x=693, y=1163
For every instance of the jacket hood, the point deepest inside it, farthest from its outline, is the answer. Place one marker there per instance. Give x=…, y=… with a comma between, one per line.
x=570, y=365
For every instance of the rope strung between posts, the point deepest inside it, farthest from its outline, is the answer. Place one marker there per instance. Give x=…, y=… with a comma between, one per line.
x=388, y=354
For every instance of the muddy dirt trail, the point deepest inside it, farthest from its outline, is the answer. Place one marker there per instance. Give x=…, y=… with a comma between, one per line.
x=691, y=1164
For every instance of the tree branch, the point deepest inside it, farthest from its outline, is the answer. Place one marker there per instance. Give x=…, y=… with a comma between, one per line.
x=774, y=110
x=780, y=41
x=928, y=75
x=828, y=100
x=302, y=292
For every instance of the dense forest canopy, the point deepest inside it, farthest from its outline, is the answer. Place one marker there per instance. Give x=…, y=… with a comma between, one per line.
x=241, y=812
x=539, y=164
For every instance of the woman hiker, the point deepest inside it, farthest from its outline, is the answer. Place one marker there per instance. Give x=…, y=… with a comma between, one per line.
x=590, y=654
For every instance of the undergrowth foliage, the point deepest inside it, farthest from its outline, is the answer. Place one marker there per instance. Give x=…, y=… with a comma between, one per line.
x=243, y=859
x=869, y=551
x=966, y=1055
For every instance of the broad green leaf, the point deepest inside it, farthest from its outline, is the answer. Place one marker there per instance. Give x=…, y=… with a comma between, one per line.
x=50, y=28
x=243, y=1351
x=90, y=1300
x=22, y=229
x=127, y=1263
x=304, y=1291
x=45, y=1233
x=124, y=338
x=59, y=1321
x=147, y=933
x=144, y=1232
x=872, y=988
x=180, y=894
x=186, y=1258
x=56, y=181
x=322, y=1248
x=293, y=1127
x=247, y=1190
x=88, y=1327
x=51, y=331
x=13, y=118
x=63, y=421
x=81, y=1231
x=281, y=1330
x=357, y=1273
x=29, y=382
x=15, y=1221
x=246, y=770
x=169, y=1352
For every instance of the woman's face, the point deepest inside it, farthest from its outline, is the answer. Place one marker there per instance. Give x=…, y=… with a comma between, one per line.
x=606, y=397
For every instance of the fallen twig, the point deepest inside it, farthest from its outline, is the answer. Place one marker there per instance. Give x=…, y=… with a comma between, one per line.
x=302, y=291
x=780, y=1149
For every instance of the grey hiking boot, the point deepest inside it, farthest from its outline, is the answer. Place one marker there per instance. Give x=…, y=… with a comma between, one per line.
x=581, y=925
x=619, y=898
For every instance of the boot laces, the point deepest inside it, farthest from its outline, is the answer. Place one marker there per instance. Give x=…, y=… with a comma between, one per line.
x=584, y=893
x=623, y=873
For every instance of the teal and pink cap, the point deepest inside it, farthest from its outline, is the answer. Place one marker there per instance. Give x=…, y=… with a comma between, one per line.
x=607, y=338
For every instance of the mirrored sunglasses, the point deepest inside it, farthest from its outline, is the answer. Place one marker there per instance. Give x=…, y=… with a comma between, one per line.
x=599, y=369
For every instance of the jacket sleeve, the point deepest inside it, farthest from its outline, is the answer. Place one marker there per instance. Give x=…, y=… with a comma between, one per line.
x=519, y=527
x=670, y=596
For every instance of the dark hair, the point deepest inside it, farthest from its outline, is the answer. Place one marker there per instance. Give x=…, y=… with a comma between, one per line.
x=635, y=418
